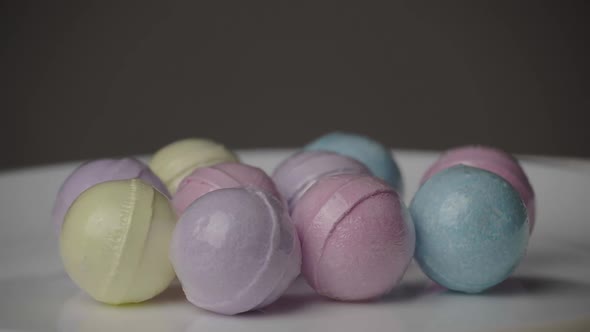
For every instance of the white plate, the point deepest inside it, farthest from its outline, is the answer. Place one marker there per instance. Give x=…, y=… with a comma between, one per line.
x=550, y=289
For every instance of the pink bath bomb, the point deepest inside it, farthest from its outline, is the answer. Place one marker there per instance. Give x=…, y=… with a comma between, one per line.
x=357, y=238
x=296, y=174
x=225, y=175
x=235, y=250
x=97, y=171
x=492, y=160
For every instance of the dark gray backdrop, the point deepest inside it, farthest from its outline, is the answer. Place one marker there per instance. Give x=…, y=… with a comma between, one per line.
x=92, y=79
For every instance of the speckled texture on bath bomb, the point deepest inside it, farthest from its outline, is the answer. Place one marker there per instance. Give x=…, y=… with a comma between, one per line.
x=357, y=238
x=98, y=171
x=219, y=176
x=235, y=250
x=471, y=228
x=373, y=154
x=115, y=241
x=175, y=161
x=296, y=174
x=493, y=160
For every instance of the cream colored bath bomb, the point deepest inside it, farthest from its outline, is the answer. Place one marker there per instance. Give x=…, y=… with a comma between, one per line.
x=115, y=241
x=175, y=161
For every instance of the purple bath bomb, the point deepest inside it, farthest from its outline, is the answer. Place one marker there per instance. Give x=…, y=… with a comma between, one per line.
x=97, y=171
x=235, y=250
x=296, y=174
x=219, y=176
x=357, y=237
x=492, y=160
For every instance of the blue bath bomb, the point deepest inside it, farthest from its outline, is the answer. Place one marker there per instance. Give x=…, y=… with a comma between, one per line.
x=471, y=228
x=373, y=154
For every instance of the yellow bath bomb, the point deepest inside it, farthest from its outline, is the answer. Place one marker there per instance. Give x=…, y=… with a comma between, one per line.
x=115, y=241
x=175, y=161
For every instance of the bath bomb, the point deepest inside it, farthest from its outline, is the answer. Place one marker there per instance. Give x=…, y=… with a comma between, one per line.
x=357, y=238
x=224, y=175
x=493, y=160
x=471, y=228
x=175, y=161
x=373, y=154
x=115, y=241
x=296, y=174
x=235, y=250
x=98, y=171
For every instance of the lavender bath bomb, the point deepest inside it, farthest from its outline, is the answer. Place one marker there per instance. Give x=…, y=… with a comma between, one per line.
x=97, y=171
x=235, y=250
x=296, y=174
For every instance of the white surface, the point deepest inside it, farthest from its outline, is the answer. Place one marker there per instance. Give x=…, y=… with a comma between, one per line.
x=551, y=286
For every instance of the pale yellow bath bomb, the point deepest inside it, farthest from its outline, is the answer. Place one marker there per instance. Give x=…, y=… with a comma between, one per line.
x=175, y=161
x=115, y=241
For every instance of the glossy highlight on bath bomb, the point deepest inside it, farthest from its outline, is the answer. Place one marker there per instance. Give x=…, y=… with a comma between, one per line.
x=97, y=171
x=296, y=174
x=471, y=228
x=357, y=238
x=219, y=176
x=493, y=160
x=235, y=250
x=373, y=154
x=175, y=161
x=115, y=241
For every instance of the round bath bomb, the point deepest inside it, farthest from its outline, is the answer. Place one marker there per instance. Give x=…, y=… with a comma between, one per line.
x=471, y=228
x=98, y=171
x=373, y=154
x=235, y=250
x=115, y=241
x=493, y=160
x=357, y=238
x=175, y=161
x=219, y=176
x=296, y=174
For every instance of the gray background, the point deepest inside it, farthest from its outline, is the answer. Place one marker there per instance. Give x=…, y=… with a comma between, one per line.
x=85, y=80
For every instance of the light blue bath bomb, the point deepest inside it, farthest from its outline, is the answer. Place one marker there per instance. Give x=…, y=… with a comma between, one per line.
x=373, y=154
x=471, y=228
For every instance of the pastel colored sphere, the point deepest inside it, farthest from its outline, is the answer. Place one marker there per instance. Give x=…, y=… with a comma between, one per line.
x=175, y=161
x=493, y=160
x=471, y=228
x=296, y=174
x=235, y=250
x=115, y=241
x=97, y=171
x=373, y=154
x=357, y=238
x=219, y=176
